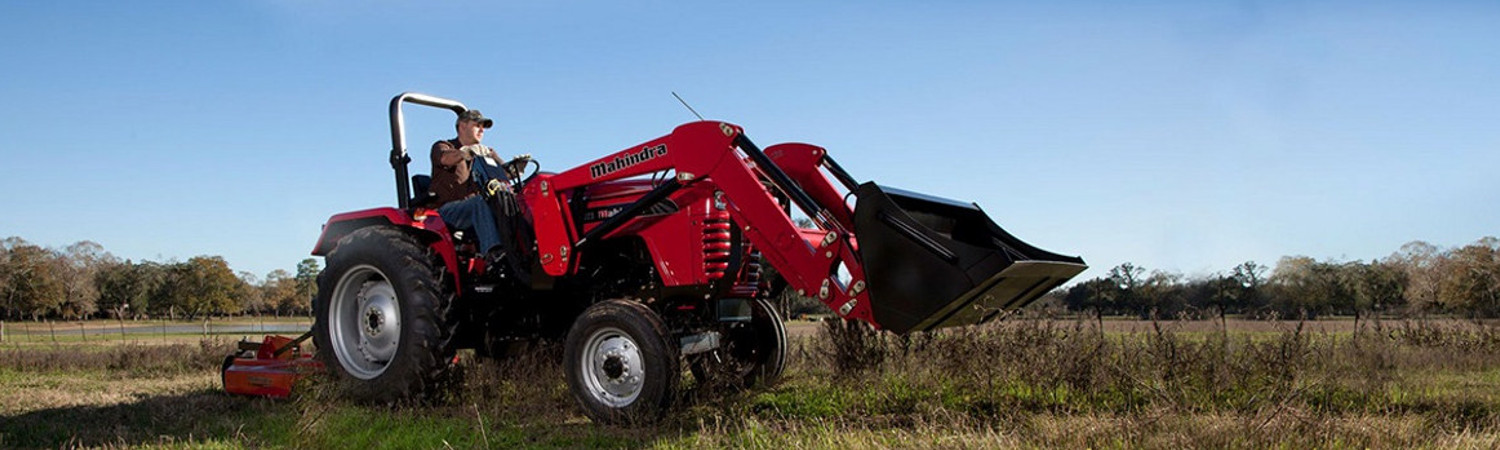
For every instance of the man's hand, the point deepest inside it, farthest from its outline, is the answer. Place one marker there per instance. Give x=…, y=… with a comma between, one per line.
x=476, y=150
x=515, y=166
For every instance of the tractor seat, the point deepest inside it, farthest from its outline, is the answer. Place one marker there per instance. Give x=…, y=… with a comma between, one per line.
x=421, y=195
x=423, y=198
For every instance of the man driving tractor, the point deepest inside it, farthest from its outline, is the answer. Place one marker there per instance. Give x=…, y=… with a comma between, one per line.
x=453, y=175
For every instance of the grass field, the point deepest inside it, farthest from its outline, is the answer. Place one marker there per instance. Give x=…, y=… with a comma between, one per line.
x=1433, y=384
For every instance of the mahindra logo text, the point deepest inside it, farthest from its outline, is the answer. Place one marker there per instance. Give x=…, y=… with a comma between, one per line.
x=627, y=160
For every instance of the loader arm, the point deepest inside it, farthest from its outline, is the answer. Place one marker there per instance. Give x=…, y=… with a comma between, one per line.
x=938, y=263
x=701, y=152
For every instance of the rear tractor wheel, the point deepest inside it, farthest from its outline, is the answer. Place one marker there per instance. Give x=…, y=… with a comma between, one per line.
x=380, y=316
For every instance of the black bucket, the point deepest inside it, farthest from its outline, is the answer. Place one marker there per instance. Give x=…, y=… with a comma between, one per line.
x=931, y=262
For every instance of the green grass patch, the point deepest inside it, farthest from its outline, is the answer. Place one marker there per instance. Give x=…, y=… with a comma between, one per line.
x=350, y=427
x=804, y=401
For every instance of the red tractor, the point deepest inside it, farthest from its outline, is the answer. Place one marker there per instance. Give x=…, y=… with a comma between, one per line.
x=651, y=259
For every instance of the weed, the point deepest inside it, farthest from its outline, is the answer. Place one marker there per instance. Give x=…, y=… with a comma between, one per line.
x=852, y=347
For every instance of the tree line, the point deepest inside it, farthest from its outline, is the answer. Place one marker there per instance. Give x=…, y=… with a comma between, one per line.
x=1419, y=278
x=83, y=281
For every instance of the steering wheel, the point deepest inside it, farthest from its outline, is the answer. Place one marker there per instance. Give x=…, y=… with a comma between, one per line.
x=516, y=168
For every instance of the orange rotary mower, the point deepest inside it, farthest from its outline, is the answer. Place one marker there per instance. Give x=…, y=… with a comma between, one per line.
x=268, y=368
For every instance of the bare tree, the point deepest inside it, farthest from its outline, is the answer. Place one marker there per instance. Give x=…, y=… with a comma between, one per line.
x=1128, y=278
x=80, y=264
x=248, y=294
x=1421, y=263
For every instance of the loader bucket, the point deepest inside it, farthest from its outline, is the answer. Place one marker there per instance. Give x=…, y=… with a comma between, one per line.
x=932, y=263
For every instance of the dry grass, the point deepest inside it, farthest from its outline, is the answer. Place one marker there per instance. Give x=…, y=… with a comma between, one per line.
x=1092, y=431
x=1071, y=384
x=119, y=358
x=1021, y=383
x=116, y=395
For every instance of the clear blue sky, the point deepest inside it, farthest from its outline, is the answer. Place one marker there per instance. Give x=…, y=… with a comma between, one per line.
x=1184, y=136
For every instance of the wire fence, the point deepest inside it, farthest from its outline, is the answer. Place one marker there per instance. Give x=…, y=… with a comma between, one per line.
x=140, y=331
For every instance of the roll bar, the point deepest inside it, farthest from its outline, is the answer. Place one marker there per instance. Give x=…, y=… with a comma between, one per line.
x=399, y=158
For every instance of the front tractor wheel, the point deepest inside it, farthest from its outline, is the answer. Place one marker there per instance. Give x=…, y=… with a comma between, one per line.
x=620, y=365
x=379, y=318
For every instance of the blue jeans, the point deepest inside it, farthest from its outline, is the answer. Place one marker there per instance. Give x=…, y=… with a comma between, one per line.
x=474, y=213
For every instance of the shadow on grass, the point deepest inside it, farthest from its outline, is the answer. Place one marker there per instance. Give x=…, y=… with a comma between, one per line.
x=203, y=416
x=215, y=419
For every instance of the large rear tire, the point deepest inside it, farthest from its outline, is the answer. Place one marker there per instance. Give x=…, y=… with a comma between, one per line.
x=380, y=317
x=620, y=364
x=750, y=353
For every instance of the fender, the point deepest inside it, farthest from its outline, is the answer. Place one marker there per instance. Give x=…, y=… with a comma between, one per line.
x=424, y=223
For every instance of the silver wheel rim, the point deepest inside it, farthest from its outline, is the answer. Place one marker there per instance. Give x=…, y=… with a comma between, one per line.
x=364, y=322
x=613, y=370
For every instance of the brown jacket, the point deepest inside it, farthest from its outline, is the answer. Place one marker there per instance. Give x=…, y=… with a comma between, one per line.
x=450, y=172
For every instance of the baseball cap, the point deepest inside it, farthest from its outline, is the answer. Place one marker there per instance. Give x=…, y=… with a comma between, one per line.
x=476, y=116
